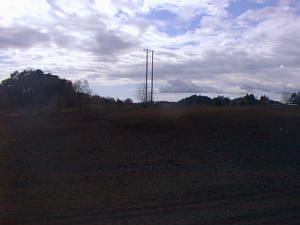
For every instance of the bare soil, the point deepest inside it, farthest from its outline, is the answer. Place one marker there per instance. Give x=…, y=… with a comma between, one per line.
x=130, y=165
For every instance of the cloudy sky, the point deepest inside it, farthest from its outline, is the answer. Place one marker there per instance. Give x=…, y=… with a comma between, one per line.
x=208, y=47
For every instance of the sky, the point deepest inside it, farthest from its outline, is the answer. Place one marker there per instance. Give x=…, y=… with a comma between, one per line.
x=203, y=47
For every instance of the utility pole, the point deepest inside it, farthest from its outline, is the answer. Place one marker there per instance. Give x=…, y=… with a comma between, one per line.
x=152, y=71
x=152, y=79
x=146, y=94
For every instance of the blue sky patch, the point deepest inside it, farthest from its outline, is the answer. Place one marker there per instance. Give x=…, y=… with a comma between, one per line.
x=179, y=27
x=237, y=8
x=169, y=23
x=161, y=14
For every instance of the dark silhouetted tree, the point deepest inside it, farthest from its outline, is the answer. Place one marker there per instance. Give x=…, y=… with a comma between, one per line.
x=221, y=100
x=295, y=98
x=196, y=100
x=128, y=101
x=119, y=102
x=34, y=88
x=264, y=100
x=248, y=99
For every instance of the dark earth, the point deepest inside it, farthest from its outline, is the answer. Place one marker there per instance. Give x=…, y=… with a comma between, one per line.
x=139, y=166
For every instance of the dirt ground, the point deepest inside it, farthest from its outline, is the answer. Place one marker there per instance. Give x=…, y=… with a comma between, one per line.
x=140, y=166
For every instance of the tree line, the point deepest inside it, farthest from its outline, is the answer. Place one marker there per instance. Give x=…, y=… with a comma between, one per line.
x=248, y=99
x=34, y=88
x=291, y=98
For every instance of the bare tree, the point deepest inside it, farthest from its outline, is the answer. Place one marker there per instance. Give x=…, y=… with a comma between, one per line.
x=140, y=93
x=286, y=97
x=82, y=86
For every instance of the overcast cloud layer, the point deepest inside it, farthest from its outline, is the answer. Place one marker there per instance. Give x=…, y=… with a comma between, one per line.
x=210, y=47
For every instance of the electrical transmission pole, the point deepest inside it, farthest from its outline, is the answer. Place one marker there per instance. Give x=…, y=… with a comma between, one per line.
x=152, y=78
x=146, y=86
x=146, y=94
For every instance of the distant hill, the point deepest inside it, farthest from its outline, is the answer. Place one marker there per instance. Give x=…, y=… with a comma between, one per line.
x=196, y=100
x=36, y=89
x=248, y=99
